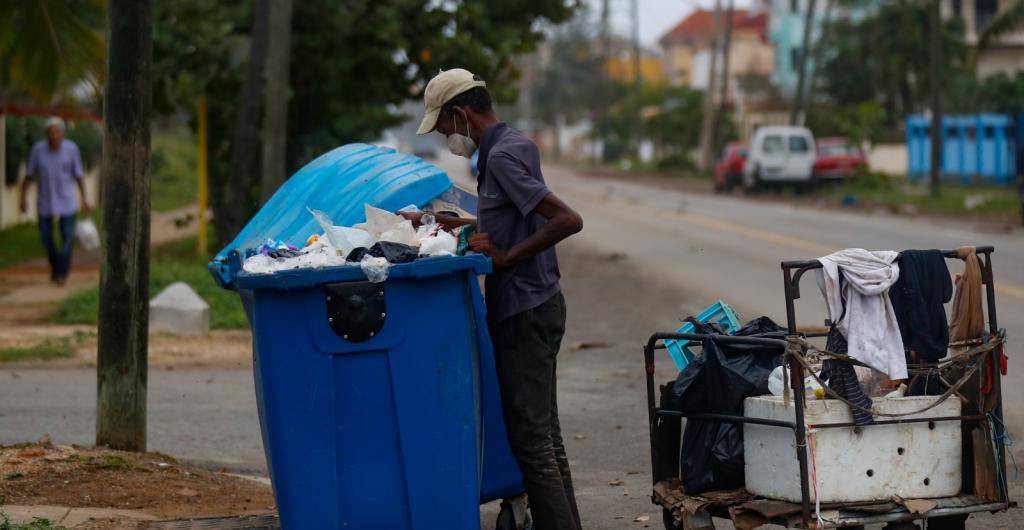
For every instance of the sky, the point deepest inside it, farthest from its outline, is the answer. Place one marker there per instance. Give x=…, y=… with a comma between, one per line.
x=656, y=16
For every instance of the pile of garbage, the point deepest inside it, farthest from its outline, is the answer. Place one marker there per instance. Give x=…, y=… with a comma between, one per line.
x=384, y=239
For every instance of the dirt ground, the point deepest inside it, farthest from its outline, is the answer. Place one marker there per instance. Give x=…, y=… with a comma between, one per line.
x=46, y=474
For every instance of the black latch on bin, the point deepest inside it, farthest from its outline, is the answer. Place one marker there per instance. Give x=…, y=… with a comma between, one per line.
x=355, y=310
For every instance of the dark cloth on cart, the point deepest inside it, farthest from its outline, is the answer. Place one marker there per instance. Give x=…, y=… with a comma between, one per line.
x=919, y=298
x=717, y=381
x=841, y=376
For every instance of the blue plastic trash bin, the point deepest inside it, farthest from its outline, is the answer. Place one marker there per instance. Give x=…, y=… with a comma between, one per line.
x=378, y=403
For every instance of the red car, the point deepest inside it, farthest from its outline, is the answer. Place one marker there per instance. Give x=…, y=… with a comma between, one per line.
x=729, y=170
x=837, y=158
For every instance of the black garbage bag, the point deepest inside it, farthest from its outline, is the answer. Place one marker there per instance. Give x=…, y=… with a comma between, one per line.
x=393, y=252
x=718, y=381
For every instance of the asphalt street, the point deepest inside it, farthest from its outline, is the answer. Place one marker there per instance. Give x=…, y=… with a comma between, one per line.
x=647, y=258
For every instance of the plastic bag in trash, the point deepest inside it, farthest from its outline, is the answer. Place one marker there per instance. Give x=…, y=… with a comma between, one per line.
x=87, y=234
x=402, y=232
x=375, y=269
x=342, y=238
x=718, y=381
x=379, y=221
x=394, y=252
x=440, y=244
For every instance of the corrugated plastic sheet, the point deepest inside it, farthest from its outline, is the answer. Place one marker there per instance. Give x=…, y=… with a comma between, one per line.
x=339, y=183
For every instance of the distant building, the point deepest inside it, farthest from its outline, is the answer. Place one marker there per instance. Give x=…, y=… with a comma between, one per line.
x=786, y=32
x=1007, y=53
x=622, y=68
x=687, y=47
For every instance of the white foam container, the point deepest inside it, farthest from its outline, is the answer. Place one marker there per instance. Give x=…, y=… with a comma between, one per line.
x=912, y=460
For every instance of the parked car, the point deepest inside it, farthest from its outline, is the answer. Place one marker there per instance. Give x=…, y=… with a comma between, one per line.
x=837, y=158
x=780, y=155
x=729, y=170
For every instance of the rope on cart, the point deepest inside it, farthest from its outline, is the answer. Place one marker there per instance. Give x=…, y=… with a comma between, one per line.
x=797, y=345
x=1004, y=441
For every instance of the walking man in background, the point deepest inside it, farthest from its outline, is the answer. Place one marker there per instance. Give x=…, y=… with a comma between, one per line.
x=519, y=222
x=56, y=165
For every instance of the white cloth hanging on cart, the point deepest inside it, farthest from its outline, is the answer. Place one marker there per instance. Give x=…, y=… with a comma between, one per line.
x=869, y=322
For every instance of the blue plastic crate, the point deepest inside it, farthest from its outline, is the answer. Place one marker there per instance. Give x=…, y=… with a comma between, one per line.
x=719, y=312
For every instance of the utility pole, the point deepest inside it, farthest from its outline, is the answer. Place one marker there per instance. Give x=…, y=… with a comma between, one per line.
x=798, y=98
x=708, y=119
x=935, y=54
x=604, y=96
x=726, y=52
x=637, y=120
x=122, y=360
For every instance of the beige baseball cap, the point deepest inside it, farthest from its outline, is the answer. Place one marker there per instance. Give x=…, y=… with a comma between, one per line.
x=441, y=89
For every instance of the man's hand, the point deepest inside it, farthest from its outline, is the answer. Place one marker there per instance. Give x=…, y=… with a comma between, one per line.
x=86, y=207
x=483, y=244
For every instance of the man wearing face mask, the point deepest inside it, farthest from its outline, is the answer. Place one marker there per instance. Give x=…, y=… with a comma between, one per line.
x=519, y=222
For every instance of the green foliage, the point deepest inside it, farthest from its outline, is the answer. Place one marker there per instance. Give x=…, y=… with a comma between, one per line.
x=173, y=170
x=352, y=64
x=170, y=263
x=861, y=123
x=996, y=93
x=48, y=46
x=884, y=57
x=1008, y=20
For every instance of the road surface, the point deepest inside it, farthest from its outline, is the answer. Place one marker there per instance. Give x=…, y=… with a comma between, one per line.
x=647, y=258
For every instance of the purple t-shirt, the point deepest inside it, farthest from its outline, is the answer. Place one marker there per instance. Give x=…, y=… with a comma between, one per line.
x=56, y=172
x=510, y=185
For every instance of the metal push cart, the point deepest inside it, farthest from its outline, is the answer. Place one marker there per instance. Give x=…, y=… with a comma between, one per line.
x=696, y=511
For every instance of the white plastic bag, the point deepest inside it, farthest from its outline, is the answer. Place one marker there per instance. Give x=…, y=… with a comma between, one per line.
x=379, y=221
x=776, y=384
x=375, y=269
x=342, y=238
x=440, y=244
x=87, y=234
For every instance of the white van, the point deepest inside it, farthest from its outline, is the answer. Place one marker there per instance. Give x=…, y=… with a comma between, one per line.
x=780, y=155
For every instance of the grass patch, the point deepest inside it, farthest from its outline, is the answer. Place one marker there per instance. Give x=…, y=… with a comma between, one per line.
x=54, y=348
x=880, y=190
x=20, y=243
x=173, y=170
x=111, y=462
x=37, y=523
x=171, y=262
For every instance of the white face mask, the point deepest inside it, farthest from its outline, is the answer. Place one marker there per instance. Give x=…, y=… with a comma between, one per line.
x=461, y=144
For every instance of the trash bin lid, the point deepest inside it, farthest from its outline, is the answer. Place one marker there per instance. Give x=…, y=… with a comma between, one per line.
x=338, y=183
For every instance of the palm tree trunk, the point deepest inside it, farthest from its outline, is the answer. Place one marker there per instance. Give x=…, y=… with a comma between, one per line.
x=275, y=101
x=124, y=275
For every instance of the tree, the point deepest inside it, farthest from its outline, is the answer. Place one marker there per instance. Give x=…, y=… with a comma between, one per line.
x=121, y=369
x=1009, y=20
x=48, y=47
x=885, y=57
x=351, y=65
x=275, y=99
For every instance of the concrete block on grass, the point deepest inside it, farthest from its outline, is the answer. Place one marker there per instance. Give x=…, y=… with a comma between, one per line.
x=178, y=310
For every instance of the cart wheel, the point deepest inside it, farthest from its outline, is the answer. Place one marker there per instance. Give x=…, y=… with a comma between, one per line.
x=949, y=522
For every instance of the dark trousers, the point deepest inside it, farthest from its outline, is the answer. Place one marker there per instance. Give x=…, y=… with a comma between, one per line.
x=525, y=350
x=60, y=257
